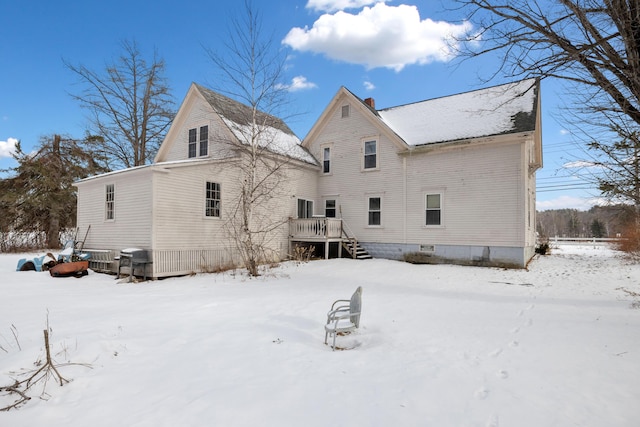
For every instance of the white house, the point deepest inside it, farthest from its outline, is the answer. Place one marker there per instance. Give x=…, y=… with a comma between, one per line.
x=450, y=179
x=179, y=208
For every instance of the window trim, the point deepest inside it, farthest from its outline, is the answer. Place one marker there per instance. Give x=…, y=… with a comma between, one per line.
x=307, y=203
x=334, y=208
x=203, y=149
x=345, y=111
x=369, y=211
x=110, y=205
x=323, y=149
x=364, y=154
x=441, y=209
x=192, y=144
x=206, y=199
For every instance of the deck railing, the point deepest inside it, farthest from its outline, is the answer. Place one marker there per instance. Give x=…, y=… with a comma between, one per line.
x=315, y=228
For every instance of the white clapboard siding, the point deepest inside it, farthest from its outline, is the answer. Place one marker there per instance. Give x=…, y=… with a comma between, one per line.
x=351, y=185
x=200, y=114
x=131, y=226
x=486, y=186
x=179, y=220
x=482, y=191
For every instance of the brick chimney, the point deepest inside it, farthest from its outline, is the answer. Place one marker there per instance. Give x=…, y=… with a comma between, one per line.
x=370, y=102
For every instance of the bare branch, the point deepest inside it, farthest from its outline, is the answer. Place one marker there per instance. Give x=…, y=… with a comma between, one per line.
x=129, y=103
x=593, y=44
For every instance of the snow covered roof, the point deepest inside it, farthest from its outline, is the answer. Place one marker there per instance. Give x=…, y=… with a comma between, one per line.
x=274, y=133
x=503, y=109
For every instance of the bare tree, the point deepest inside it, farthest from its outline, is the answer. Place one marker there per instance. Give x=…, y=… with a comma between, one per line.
x=129, y=103
x=251, y=69
x=610, y=155
x=592, y=44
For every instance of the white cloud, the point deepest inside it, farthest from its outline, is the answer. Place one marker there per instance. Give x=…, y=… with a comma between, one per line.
x=593, y=167
x=369, y=86
x=8, y=147
x=298, y=83
x=334, y=5
x=579, y=164
x=569, y=202
x=564, y=132
x=379, y=36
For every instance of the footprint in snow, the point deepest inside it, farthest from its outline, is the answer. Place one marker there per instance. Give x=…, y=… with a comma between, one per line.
x=514, y=344
x=482, y=393
x=496, y=352
x=503, y=374
x=493, y=421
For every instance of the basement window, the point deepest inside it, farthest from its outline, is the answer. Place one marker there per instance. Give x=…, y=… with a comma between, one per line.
x=429, y=249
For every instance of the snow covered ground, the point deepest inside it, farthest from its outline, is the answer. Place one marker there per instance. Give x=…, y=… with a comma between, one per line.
x=558, y=345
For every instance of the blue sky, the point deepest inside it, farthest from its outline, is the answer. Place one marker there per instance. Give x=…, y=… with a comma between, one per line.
x=389, y=51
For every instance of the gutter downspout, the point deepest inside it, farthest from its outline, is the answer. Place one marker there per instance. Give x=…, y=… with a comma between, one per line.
x=404, y=196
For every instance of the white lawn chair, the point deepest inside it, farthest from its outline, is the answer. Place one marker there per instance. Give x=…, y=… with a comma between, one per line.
x=343, y=318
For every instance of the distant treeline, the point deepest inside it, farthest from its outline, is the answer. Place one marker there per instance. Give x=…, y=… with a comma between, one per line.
x=599, y=221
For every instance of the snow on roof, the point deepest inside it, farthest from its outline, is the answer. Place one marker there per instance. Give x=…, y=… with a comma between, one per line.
x=157, y=166
x=497, y=110
x=276, y=136
x=273, y=139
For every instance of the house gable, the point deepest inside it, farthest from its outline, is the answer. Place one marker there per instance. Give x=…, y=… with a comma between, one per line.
x=476, y=153
x=195, y=112
x=343, y=98
x=229, y=126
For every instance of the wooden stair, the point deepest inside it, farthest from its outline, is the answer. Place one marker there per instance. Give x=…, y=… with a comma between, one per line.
x=355, y=250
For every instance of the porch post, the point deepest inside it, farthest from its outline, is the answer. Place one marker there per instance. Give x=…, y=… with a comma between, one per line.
x=340, y=241
x=326, y=239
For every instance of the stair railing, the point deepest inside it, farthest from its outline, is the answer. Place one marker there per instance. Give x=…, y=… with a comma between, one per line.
x=349, y=242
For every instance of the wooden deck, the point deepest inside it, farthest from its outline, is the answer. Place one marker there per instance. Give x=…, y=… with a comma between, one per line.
x=325, y=230
x=315, y=229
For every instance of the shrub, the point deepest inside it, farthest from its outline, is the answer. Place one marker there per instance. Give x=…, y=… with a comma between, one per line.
x=418, y=258
x=542, y=248
x=630, y=242
x=302, y=253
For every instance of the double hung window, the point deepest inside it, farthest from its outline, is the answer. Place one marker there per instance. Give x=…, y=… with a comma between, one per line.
x=330, y=208
x=204, y=140
x=433, y=209
x=193, y=136
x=326, y=160
x=110, y=199
x=370, y=154
x=212, y=200
x=375, y=211
x=203, y=150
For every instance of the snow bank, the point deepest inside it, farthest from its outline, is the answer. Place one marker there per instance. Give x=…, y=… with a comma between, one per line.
x=440, y=345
